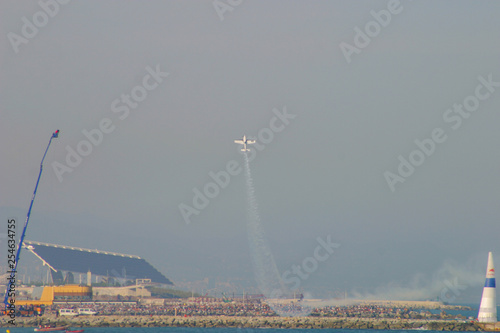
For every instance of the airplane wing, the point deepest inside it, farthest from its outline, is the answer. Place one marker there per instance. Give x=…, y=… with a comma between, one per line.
x=239, y=141
x=250, y=141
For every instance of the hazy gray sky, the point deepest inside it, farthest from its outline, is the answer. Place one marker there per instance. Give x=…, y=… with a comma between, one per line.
x=229, y=65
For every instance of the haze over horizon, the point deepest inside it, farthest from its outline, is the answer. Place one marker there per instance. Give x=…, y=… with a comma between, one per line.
x=390, y=150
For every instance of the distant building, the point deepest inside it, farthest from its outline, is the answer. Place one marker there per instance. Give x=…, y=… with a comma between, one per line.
x=93, y=263
x=49, y=295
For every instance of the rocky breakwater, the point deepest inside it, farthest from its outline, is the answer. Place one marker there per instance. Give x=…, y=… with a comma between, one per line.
x=246, y=322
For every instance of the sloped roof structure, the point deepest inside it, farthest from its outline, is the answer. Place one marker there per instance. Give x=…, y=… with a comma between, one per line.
x=103, y=263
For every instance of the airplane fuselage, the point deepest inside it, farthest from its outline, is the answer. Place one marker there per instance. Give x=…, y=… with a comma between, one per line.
x=244, y=142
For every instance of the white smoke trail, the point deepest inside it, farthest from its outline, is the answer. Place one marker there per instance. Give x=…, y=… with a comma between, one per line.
x=266, y=272
x=447, y=283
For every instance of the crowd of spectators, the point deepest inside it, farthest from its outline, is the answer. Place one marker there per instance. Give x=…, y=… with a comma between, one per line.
x=180, y=308
x=254, y=308
x=376, y=311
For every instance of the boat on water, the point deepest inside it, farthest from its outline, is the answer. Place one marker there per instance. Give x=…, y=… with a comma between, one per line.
x=51, y=328
x=75, y=331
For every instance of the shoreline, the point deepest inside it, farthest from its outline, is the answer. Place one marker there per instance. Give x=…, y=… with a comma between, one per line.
x=246, y=322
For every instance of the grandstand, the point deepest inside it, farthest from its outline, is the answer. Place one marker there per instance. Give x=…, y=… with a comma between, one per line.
x=108, y=265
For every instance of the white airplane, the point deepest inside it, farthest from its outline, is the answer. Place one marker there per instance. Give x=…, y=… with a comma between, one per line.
x=244, y=142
